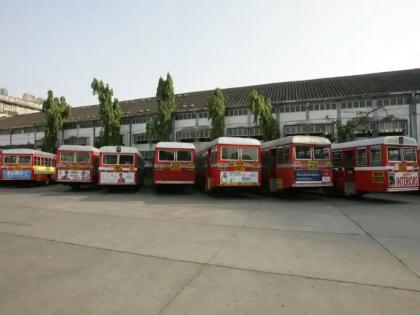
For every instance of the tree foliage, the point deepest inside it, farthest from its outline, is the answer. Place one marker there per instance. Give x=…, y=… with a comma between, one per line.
x=216, y=108
x=109, y=112
x=262, y=110
x=348, y=131
x=56, y=110
x=160, y=126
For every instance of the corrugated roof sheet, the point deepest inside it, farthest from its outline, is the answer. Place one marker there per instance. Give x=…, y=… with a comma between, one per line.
x=283, y=92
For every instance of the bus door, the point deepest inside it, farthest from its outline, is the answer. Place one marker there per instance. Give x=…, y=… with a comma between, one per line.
x=349, y=176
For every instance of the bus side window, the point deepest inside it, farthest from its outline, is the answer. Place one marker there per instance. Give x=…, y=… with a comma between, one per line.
x=361, y=157
x=337, y=158
x=286, y=155
x=213, y=156
x=375, y=156
x=280, y=156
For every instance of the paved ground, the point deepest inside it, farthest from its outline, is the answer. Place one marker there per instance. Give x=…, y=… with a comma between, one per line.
x=99, y=252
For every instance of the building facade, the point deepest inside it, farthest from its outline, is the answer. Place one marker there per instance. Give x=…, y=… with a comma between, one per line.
x=312, y=107
x=11, y=106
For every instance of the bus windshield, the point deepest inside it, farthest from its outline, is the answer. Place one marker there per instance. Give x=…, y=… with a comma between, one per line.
x=321, y=153
x=126, y=159
x=82, y=157
x=166, y=155
x=110, y=159
x=184, y=156
x=303, y=152
x=230, y=153
x=249, y=154
x=394, y=154
x=409, y=154
x=67, y=157
x=10, y=159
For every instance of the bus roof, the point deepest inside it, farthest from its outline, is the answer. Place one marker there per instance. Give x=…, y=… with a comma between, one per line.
x=176, y=145
x=28, y=151
x=233, y=140
x=69, y=147
x=376, y=141
x=123, y=149
x=296, y=139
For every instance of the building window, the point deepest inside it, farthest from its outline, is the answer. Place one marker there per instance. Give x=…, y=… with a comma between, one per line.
x=244, y=132
x=142, y=138
x=236, y=112
x=139, y=120
x=185, y=116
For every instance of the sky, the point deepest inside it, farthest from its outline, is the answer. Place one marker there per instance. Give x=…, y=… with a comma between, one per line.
x=63, y=45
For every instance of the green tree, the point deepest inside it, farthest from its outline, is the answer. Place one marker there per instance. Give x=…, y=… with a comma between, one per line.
x=109, y=112
x=348, y=131
x=160, y=126
x=216, y=108
x=262, y=110
x=56, y=110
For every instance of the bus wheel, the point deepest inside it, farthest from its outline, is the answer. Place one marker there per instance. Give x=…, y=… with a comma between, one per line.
x=75, y=187
x=358, y=195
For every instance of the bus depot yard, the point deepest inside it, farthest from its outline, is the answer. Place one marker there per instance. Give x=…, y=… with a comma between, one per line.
x=100, y=251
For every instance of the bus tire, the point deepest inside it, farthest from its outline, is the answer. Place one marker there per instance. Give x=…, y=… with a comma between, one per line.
x=75, y=187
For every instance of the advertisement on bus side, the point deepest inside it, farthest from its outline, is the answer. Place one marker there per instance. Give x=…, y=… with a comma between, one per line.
x=74, y=175
x=403, y=179
x=17, y=174
x=117, y=178
x=238, y=178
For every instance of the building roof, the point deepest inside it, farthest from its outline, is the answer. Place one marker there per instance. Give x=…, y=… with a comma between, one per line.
x=28, y=151
x=284, y=92
x=175, y=145
x=396, y=140
x=314, y=140
x=83, y=148
x=113, y=149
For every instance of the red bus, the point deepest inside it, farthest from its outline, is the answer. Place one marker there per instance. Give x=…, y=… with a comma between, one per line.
x=77, y=165
x=386, y=164
x=229, y=162
x=27, y=165
x=297, y=162
x=119, y=166
x=174, y=163
x=1, y=163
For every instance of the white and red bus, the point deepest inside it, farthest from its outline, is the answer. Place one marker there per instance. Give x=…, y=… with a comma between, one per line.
x=297, y=162
x=1, y=163
x=229, y=162
x=77, y=165
x=385, y=164
x=27, y=165
x=174, y=163
x=119, y=166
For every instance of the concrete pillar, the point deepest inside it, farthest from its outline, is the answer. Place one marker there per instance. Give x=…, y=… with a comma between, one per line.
x=94, y=133
x=278, y=118
x=130, y=132
x=413, y=116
